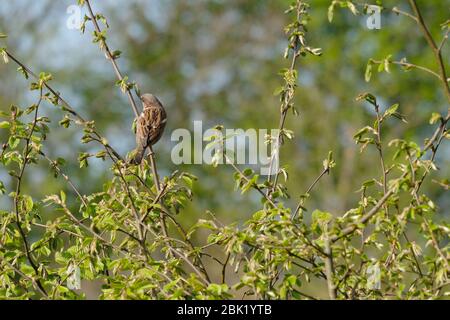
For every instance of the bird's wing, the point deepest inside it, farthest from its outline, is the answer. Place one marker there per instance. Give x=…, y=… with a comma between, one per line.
x=157, y=123
x=142, y=130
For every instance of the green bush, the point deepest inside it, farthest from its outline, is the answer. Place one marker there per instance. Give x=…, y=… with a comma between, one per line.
x=128, y=236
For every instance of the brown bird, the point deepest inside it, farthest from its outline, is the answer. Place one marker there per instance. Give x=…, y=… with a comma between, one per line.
x=149, y=125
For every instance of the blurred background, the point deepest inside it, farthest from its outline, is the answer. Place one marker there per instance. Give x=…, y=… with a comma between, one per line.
x=218, y=61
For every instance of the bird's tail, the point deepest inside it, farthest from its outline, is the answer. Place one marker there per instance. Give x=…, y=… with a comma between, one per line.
x=138, y=155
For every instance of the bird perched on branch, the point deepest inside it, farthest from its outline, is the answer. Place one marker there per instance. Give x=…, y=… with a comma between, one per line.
x=149, y=126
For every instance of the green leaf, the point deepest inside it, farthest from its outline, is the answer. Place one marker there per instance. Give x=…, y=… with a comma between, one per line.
x=259, y=215
x=116, y=54
x=321, y=216
x=292, y=280
x=27, y=269
x=369, y=183
x=28, y=201
x=101, y=155
x=65, y=122
x=45, y=77
x=368, y=97
x=83, y=159
x=368, y=73
x=63, y=196
x=362, y=132
x=435, y=117
x=331, y=11
x=5, y=125
x=352, y=8
x=391, y=110
x=4, y=55
x=13, y=142
x=387, y=62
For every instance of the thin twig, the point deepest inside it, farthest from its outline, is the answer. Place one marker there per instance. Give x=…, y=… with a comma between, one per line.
x=224, y=267
x=329, y=268
x=158, y=188
x=66, y=106
x=354, y=226
x=23, y=275
x=69, y=181
x=436, y=50
x=284, y=110
x=404, y=13
x=26, y=153
x=324, y=171
x=379, y=146
x=416, y=260
x=255, y=186
x=444, y=40
x=111, y=58
x=411, y=65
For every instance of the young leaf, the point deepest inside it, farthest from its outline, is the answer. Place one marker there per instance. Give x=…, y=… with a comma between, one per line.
x=368, y=73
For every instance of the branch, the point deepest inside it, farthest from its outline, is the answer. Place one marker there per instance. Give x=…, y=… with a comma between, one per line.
x=69, y=181
x=329, y=268
x=380, y=152
x=324, y=171
x=66, y=106
x=284, y=110
x=406, y=14
x=158, y=189
x=350, y=229
x=119, y=76
x=433, y=46
x=411, y=65
x=437, y=135
x=36, y=285
x=112, y=59
x=26, y=153
x=133, y=209
x=444, y=39
x=267, y=197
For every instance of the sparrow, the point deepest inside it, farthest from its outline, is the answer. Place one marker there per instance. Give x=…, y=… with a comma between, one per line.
x=149, y=125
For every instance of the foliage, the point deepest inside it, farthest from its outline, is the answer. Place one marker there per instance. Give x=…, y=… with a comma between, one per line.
x=129, y=237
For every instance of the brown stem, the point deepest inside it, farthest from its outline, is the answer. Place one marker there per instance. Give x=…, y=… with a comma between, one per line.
x=351, y=228
x=324, y=171
x=69, y=181
x=437, y=135
x=284, y=109
x=111, y=58
x=329, y=269
x=135, y=110
x=242, y=175
x=23, y=275
x=432, y=44
x=411, y=65
x=26, y=153
x=65, y=105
